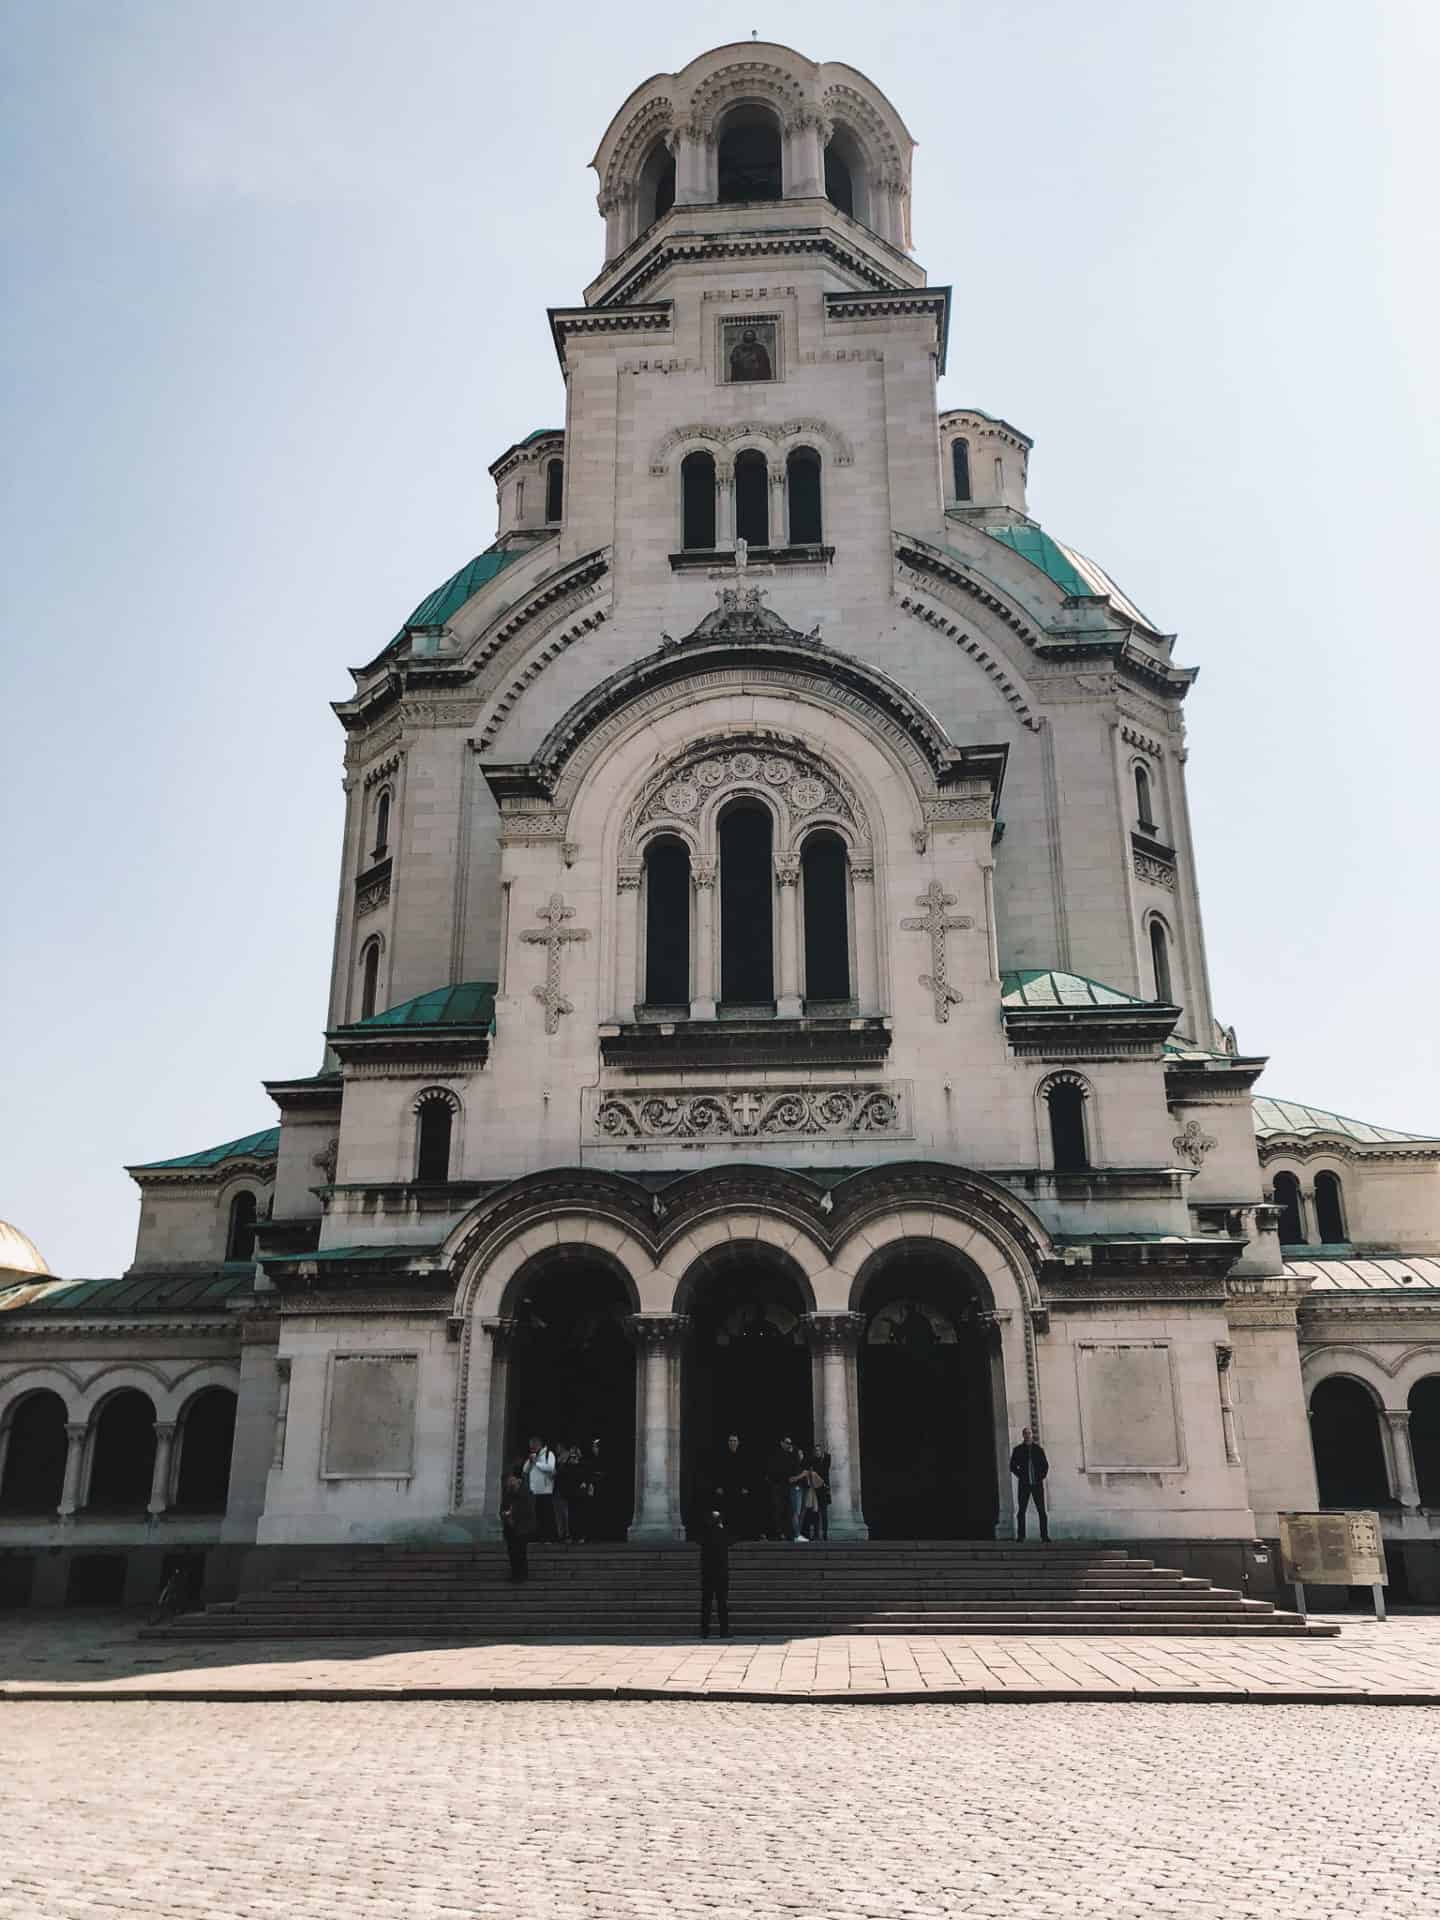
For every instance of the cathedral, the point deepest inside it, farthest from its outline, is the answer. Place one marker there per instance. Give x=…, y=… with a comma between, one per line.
x=769, y=994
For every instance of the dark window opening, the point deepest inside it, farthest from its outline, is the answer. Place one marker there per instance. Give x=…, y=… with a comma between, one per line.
x=554, y=489
x=432, y=1160
x=1160, y=962
x=697, y=501
x=1287, y=1198
x=823, y=874
x=123, y=1458
x=382, y=825
x=369, y=979
x=839, y=187
x=657, y=184
x=35, y=1461
x=752, y=498
x=802, y=475
x=95, y=1580
x=960, y=454
x=240, y=1240
x=1424, y=1406
x=1144, y=804
x=747, y=889
x=1349, y=1454
x=749, y=157
x=667, y=924
x=1066, y=1102
x=207, y=1440
x=1329, y=1210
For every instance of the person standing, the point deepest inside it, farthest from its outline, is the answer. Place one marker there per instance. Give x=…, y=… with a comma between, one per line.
x=819, y=1459
x=595, y=1470
x=517, y=1520
x=568, y=1501
x=540, y=1478
x=781, y=1471
x=715, y=1573
x=1031, y=1469
x=732, y=1480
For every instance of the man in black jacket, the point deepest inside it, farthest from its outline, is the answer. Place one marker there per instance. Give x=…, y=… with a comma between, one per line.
x=1030, y=1467
x=714, y=1573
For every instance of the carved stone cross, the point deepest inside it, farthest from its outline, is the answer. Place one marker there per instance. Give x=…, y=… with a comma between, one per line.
x=553, y=936
x=746, y=1108
x=937, y=924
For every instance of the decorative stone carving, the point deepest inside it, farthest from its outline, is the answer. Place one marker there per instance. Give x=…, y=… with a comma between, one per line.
x=554, y=936
x=937, y=923
x=801, y=784
x=657, y=1332
x=372, y=896
x=833, y=1332
x=328, y=1159
x=1155, y=873
x=744, y=1113
x=1192, y=1143
x=787, y=869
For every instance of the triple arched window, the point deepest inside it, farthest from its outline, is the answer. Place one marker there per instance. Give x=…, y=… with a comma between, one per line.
x=746, y=497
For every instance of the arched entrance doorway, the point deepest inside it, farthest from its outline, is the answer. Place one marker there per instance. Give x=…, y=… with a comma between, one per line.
x=747, y=1371
x=1349, y=1453
x=927, y=1398
x=207, y=1440
x=34, y=1474
x=123, y=1453
x=572, y=1379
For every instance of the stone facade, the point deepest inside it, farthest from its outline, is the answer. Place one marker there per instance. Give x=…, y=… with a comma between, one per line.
x=771, y=582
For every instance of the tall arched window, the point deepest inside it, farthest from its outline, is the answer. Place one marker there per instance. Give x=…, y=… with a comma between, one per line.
x=206, y=1442
x=825, y=880
x=697, y=501
x=657, y=184
x=749, y=156
x=1424, y=1404
x=369, y=978
x=839, y=188
x=752, y=498
x=1287, y=1197
x=382, y=825
x=123, y=1456
x=802, y=480
x=240, y=1238
x=1144, y=802
x=1068, y=1147
x=432, y=1147
x=1160, y=962
x=554, y=489
x=34, y=1474
x=1329, y=1210
x=1349, y=1453
x=747, y=917
x=667, y=924
x=960, y=454
x=519, y=499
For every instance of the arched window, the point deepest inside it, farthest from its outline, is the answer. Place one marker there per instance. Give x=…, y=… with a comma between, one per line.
x=657, y=184
x=1160, y=962
x=1424, y=1406
x=432, y=1151
x=1349, y=1454
x=206, y=1442
x=697, y=501
x=240, y=1238
x=824, y=878
x=802, y=480
x=747, y=891
x=1287, y=1197
x=123, y=1457
x=1329, y=1210
x=554, y=489
x=382, y=825
x=667, y=924
x=369, y=979
x=960, y=454
x=1144, y=803
x=749, y=156
x=999, y=478
x=839, y=187
x=519, y=499
x=752, y=498
x=1066, y=1102
x=34, y=1475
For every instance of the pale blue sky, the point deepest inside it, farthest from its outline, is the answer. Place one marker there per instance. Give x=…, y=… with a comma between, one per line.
x=276, y=287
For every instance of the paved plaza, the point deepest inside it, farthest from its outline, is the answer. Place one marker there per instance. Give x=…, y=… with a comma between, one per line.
x=70, y=1654
x=554, y=1809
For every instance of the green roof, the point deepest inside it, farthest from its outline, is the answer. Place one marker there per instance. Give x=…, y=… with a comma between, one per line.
x=147, y=1293
x=436, y=608
x=1288, y=1116
x=469, y=1005
x=250, y=1146
x=1069, y=570
x=1044, y=987
x=540, y=433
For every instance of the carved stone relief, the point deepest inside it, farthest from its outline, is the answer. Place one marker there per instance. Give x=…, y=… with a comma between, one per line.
x=760, y=1113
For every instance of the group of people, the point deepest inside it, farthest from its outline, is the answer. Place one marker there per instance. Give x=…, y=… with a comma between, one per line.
x=780, y=1492
x=554, y=1493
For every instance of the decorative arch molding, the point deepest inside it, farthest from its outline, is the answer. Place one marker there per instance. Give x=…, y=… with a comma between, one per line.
x=22, y=1381
x=762, y=83
x=783, y=435
x=433, y=1096
x=1347, y=1363
x=1401, y=1366
x=802, y=788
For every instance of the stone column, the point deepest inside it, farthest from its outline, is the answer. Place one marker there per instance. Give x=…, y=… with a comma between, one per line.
x=804, y=159
x=691, y=150
x=724, y=505
x=1407, y=1487
x=627, y=940
x=779, y=505
x=867, y=959
x=836, y=1337
x=4, y=1449
x=500, y=1335
x=788, y=1004
x=1224, y=1355
x=282, y=1411
x=75, y=1432
x=1306, y=1202
x=658, y=1338
x=702, y=1007
x=160, y=1478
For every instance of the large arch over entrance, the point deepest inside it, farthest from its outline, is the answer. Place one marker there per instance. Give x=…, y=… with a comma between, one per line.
x=929, y=1391
x=1349, y=1452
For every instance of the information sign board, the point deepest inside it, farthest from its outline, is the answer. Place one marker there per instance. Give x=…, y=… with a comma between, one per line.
x=1332, y=1549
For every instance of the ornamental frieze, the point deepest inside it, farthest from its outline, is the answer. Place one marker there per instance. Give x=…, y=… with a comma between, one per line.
x=1155, y=873
x=726, y=1115
x=803, y=784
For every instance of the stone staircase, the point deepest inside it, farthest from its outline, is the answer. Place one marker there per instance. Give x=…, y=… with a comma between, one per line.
x=622, y=1592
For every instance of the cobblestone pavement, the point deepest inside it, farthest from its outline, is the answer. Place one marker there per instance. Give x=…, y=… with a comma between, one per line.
x=1397, y=1659
x=561, y=1809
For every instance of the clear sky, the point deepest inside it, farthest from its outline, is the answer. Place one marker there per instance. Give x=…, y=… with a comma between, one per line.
x=277, y=278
